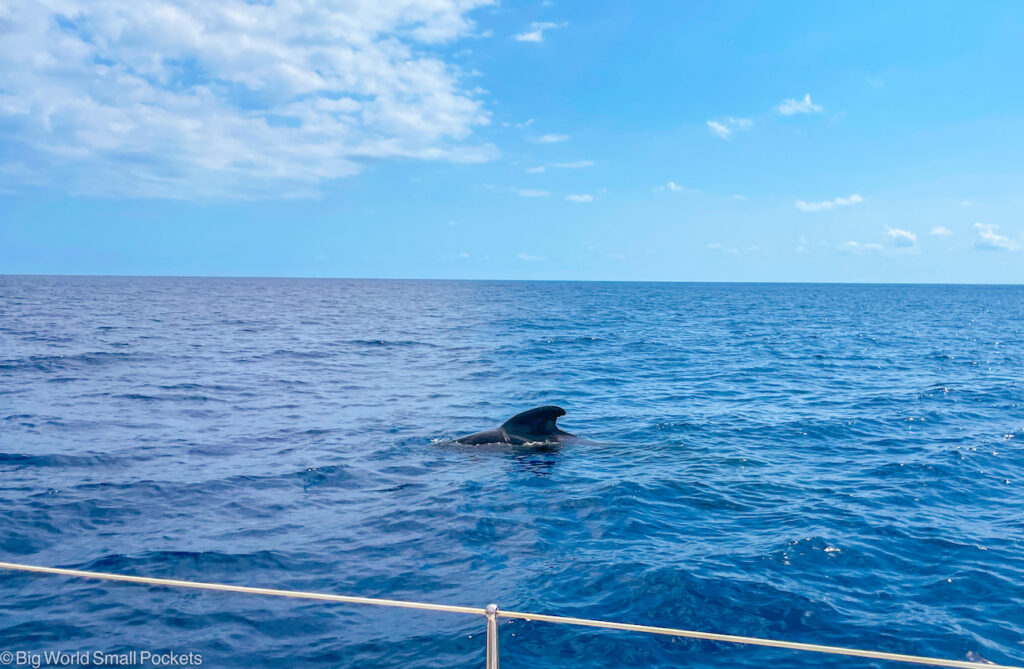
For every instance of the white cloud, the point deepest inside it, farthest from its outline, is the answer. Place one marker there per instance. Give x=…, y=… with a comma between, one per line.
x=580, y=198
x=940, y=231
x=829, y=204
x=739, y=197
x=805, y=106
x=530, y=192
x=536, y=31
x=529, y=257
x=731, y=250
x=859, y=248
x=989, y=240
x=727, y=126
x=874, y=82
x=551, y=139
x=166, y=98
x=901, y=238
x=569, y=166
x=719, y=129
x=524, y=124
x=673, y=187
x=966, y=203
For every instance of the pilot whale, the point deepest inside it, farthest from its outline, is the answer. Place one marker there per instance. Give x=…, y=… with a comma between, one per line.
x=533, y=426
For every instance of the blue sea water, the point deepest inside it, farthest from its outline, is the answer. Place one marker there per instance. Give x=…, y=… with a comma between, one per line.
x=836, y=464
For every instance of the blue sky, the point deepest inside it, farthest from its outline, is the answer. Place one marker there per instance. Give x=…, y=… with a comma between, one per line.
x=549, y=140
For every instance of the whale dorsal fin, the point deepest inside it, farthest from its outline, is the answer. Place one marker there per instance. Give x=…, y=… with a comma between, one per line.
x=535, y=422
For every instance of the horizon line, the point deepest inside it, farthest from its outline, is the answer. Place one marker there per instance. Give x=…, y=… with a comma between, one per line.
x=377, y=278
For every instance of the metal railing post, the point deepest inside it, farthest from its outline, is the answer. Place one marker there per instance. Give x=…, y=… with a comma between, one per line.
x=492, y=636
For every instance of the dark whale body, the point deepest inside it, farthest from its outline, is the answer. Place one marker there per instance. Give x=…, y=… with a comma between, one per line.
x=530, y=427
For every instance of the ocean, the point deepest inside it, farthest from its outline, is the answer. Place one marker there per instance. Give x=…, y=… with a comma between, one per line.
x=835, y=464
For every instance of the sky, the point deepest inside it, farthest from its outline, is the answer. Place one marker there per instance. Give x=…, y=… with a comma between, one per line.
x=467, y=139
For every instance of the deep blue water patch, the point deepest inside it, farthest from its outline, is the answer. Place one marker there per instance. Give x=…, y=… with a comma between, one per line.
x=836, y=464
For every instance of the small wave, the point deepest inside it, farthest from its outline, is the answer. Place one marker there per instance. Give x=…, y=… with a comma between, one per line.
x=51, y=363
x=59, y=460
x=195, y=564
x=383, y=343
x=141, y=397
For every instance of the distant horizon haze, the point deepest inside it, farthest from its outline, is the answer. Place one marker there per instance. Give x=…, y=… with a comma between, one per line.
x=501, y=280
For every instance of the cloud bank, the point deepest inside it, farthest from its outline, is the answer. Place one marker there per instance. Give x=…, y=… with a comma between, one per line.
x=828, y=204
x=903, y=239
x=859, y=248
x=725, y=127
x=989, y=240
x=551, y=139
x=536, y=31
x=805, y=106
x=184, y=98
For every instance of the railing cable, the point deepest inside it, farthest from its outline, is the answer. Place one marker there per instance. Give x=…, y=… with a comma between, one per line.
x=491, y=613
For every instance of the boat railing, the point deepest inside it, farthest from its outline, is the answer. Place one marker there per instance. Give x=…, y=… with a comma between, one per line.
x=491, y=613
